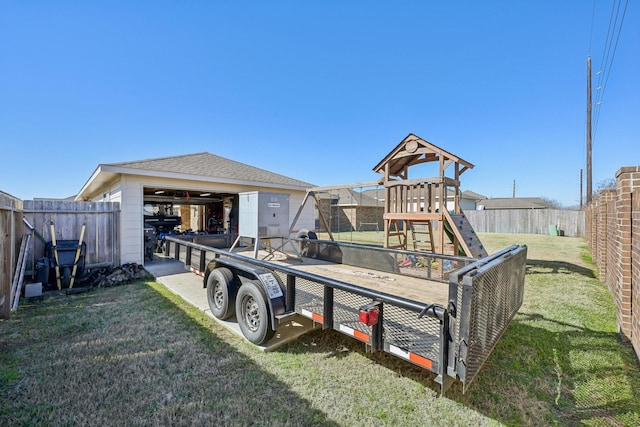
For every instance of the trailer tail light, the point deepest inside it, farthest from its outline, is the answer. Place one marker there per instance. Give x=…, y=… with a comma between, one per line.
x=369, y=315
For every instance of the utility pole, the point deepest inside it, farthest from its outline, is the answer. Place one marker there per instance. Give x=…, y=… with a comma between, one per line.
x=514, y=188
x=580, y=188
x=589, y=186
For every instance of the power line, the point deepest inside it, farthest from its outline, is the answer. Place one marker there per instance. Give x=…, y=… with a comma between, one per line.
x=616, y=20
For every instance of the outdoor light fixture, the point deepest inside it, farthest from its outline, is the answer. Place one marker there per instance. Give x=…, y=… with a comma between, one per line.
x=159, y=192
x=205, y=194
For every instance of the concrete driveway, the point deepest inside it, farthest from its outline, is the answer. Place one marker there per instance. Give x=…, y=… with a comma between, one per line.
x=174, y=276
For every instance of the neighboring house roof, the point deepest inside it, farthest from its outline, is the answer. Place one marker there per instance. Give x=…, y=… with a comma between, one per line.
x=67, y=199
x=470, y=195
x=349, y=197
x=199, y=166
x=379, y=194
x=513, y=203
x=376, y=194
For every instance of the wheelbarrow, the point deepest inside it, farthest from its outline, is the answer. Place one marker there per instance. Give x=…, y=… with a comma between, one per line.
x=66, y=259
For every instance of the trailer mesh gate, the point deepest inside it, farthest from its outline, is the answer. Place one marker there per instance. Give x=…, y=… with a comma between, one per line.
x=487, y=299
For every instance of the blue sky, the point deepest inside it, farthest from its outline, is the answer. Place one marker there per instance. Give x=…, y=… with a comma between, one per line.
x=318, y=91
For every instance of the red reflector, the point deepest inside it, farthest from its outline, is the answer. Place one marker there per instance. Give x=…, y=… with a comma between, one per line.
x=369, y=316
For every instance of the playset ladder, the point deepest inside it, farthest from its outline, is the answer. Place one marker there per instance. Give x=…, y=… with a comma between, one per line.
x=393, y=230
x=422, y=237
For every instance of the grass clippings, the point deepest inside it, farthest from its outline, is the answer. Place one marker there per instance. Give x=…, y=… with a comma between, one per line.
x=139, y=355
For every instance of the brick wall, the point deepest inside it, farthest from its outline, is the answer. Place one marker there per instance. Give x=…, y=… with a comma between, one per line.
x=606, y=247
x=591, y=226
x=613, y=234
x=349, y=218
x=369, y=215
x=606, y=240
x=635, y=276
x=625, y=180
x=336, y=216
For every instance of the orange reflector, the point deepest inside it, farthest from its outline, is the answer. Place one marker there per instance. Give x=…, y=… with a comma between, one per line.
x=313, y=316
x=361, y=335
x=418, y=360
x=422, y=361
x=354, y=333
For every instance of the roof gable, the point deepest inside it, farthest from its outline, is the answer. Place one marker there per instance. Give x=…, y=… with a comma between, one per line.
x=413, y=150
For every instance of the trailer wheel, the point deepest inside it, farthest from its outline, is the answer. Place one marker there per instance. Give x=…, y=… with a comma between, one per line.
x=221, y=293
x=308, y=249
x=253, y=314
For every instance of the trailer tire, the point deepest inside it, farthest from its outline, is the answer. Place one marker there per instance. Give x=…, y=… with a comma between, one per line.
x=221, y=293
x=252, y=313
x=308, y=249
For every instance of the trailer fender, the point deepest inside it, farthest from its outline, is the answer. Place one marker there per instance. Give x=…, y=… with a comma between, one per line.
x=212, y=265
x=268, y=281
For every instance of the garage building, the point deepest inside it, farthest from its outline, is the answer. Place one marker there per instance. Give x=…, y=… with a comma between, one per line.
x=201, y=188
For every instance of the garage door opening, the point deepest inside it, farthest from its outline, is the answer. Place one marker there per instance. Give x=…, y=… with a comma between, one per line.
x=190, y=211
x=186, y=212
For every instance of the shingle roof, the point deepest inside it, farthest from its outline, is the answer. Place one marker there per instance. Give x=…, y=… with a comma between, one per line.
x=349, y=197
x=379, y=194
x=210, y=165
x=472, y=195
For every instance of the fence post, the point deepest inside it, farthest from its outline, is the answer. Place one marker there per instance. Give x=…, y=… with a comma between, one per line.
x=11, y=231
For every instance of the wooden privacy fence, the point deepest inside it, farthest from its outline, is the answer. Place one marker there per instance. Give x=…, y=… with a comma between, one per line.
x=11, y=231
x=101, y=234
x=528, y=221
x=613, y=234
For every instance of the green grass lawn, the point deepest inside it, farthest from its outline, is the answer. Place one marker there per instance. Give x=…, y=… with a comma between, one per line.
x=139, y=355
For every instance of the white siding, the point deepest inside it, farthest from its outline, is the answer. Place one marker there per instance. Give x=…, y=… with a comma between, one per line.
x=467, y=205
x=115, y=192
x=115, y=195
x=131, y=224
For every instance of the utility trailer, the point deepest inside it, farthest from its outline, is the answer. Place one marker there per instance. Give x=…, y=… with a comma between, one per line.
x=445, y=316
